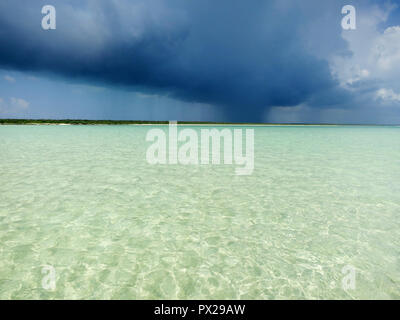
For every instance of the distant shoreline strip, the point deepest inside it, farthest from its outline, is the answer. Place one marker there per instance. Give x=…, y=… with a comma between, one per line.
x=66, y=122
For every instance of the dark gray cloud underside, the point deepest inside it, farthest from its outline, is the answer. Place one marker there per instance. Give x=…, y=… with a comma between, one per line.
x=242, y=57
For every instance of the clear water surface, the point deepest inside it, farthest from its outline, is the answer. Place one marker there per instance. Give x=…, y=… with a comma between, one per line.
x=84, y=200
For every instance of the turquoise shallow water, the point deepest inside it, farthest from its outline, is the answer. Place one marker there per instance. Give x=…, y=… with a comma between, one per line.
x=84, y=200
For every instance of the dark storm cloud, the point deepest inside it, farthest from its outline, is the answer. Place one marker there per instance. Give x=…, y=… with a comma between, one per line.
x=242, y=56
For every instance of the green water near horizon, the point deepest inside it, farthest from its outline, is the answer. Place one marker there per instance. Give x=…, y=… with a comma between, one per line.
x=84, y=200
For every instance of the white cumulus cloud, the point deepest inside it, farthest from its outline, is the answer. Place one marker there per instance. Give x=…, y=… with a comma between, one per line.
x=375, y=54
x=386, y=51
x=388, y=95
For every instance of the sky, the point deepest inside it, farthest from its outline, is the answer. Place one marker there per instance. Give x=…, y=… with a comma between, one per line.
x=227, y=60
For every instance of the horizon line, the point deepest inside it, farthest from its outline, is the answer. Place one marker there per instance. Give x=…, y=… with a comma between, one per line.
x=5, y=121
